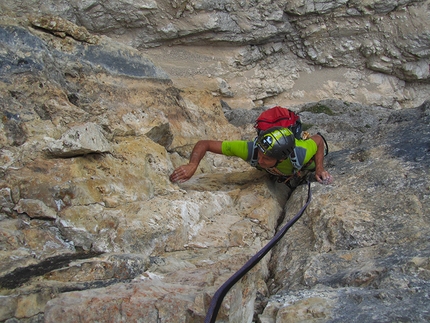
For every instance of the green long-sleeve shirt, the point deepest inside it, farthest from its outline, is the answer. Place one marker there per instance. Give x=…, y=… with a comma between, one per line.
x=304, y=151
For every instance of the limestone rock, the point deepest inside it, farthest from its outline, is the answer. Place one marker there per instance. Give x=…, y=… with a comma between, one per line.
x=6, y=201
x=25, y=51
x=62, y=27
x=224, y=88
x=115, y=212
x=121, y=242
x=374, y=211
x=35, y=209
x=80, y=140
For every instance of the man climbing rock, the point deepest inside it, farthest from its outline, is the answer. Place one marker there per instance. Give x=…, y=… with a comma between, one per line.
x=275, y=150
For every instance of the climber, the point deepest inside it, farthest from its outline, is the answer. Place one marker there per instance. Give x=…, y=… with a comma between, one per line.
x=275, y=150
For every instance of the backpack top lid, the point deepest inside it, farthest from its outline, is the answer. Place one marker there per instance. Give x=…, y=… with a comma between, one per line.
x=276, y=142
x=276, y=116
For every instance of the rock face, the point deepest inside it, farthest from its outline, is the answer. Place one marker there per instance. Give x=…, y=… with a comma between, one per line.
x=361, y=254
x=267, y=52
x=92, y=229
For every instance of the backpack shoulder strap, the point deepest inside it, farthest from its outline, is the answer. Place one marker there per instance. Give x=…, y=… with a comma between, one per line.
x=325, y=143
x=253, y=153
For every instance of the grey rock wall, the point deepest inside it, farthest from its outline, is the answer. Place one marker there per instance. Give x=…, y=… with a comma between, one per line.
x=91, y=229
x=85, y=198
x=372, y=37
x=361, y=252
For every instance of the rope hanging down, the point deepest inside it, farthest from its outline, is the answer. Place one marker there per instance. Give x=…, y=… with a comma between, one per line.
x=223, y=290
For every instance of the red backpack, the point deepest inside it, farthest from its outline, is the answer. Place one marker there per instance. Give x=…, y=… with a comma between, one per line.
x=279, y=117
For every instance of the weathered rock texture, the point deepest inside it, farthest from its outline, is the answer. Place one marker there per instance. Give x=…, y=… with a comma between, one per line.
x=361, y=254
x=267, y=52
x=88, y=142
x=92, y=229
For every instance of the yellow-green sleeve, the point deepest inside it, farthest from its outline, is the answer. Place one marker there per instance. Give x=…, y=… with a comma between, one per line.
x=238, y=148
x=305, y=150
